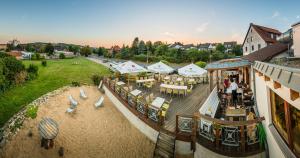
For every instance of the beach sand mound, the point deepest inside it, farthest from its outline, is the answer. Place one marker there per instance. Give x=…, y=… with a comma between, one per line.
x=89, y=133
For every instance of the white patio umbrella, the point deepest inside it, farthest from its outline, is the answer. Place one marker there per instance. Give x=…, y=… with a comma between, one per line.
x=160, y=68
x=129, y=67
x=192, y=70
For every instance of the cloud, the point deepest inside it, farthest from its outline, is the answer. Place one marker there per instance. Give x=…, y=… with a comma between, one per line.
x=298, y=17
x=169, y=34
x=275, y=14
x=202, y=27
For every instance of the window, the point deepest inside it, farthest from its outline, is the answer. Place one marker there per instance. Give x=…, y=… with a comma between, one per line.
x=278, y=116
x=272, y=36
x=258, y=46
x=286, y=120
x=246, y=49
x=252, y=47
x=251, y=39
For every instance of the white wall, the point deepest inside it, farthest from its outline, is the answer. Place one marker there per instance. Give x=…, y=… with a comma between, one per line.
x=139, y=124
x=264, y=109
x=256, y=40
x=296, y=39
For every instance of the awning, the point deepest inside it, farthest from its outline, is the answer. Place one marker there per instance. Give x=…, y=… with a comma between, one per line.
x=227, y=64
x=161, y=68
x=129, y=67
x=211, y=104
x=191, y=70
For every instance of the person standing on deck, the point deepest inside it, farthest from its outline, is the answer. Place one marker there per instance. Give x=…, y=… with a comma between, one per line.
x=233, y=87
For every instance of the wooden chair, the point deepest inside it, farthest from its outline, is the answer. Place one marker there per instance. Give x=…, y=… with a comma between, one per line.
x=162, y=90
x=190, y=89
x=176, y=91
x=169, y=91
x=181, y=92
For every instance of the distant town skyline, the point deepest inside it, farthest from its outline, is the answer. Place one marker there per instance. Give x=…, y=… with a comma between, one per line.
x=107, y=23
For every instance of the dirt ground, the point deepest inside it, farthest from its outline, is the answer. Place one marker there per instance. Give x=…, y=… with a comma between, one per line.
x=90, y=132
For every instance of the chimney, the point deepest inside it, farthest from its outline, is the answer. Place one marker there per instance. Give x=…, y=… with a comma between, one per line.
x=296, y=39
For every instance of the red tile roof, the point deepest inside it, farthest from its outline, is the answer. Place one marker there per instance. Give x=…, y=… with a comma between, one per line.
x=265, y=33
x=266, y=53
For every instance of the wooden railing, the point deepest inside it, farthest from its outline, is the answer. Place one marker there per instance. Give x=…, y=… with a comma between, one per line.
x=136, y=105
x=229, y=138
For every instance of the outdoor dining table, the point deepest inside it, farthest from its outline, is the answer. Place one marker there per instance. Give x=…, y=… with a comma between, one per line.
x=139, y=82
x=174, y=87
x=167, y=78
x=239, y=113
x=179, y=79
x=155, y=108
x=48, y=129
x=132, y=96
x=120, y=83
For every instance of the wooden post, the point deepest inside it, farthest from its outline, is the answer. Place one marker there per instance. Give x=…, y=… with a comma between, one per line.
x=288, y=123
x=243, y=141
x=211, y=80
x=217, y=137
x=194, y=132
x=176, y=129
x=218, y=80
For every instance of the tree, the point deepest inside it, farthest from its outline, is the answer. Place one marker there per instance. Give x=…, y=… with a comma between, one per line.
x=149, y=46
x=49, y=49
x=101, y=51
x=125, y=52
x=74, y=48
x=237, y=50
x=142, y=47
x=29, y=48
x=193, y=54
x=204, y=55
x=86, y=51
x=134, y=47
x=221, y=48
x=161, y=49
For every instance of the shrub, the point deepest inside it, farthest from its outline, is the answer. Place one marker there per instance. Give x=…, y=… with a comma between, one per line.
x=36, y=56
x=96, y=79
x=201, y=64
x=12, y=68
x=31, y=111
x=75, y=84
x=21, y=77
x=141, y=57
x=32, y=71
x=44, y=63
x=62, y=56
x=165, y=62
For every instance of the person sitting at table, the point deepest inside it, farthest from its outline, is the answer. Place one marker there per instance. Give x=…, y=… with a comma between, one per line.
x=226, y=83
x=233, y=87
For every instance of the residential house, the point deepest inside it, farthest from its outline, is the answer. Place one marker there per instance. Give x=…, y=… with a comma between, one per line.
x=176, y=45
x=276, y=89
x=229, y=46
x=258, y=37
x=188, y=46
x=205, y=46
x=16, y=54
x=3, y=46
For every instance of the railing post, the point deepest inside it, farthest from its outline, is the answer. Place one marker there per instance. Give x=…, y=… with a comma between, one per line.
x=243, y=143
x=194, y=132
x=217, y=137
x=176, y=129
x=146, y=110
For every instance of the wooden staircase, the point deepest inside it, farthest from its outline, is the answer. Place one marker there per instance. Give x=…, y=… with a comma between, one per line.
x=165, y=146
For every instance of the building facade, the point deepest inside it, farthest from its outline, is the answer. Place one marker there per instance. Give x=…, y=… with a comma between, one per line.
x=259, y=37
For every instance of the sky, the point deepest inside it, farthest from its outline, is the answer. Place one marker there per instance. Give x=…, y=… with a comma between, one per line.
x=116, y=22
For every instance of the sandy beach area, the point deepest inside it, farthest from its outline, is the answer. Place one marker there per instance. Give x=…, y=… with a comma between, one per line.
x=89, y=133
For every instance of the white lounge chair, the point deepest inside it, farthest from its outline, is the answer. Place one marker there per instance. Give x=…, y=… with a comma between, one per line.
x=82, y=94
x=73, y=102
x=99, y=103
x=100, y=85
x=70, y=110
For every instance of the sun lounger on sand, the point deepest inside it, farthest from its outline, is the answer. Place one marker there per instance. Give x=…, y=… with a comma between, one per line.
x=73, y=106
x=82, y=94
x=73, y=102
x=100, y=85
x=99, y=102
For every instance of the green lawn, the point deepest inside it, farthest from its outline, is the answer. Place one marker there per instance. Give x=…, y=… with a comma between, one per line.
x=58, y=73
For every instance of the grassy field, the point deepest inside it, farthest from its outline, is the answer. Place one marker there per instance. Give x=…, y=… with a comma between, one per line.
x=58, y=73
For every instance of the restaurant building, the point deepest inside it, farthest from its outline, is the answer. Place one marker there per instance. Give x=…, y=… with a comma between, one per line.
x=276, y=88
